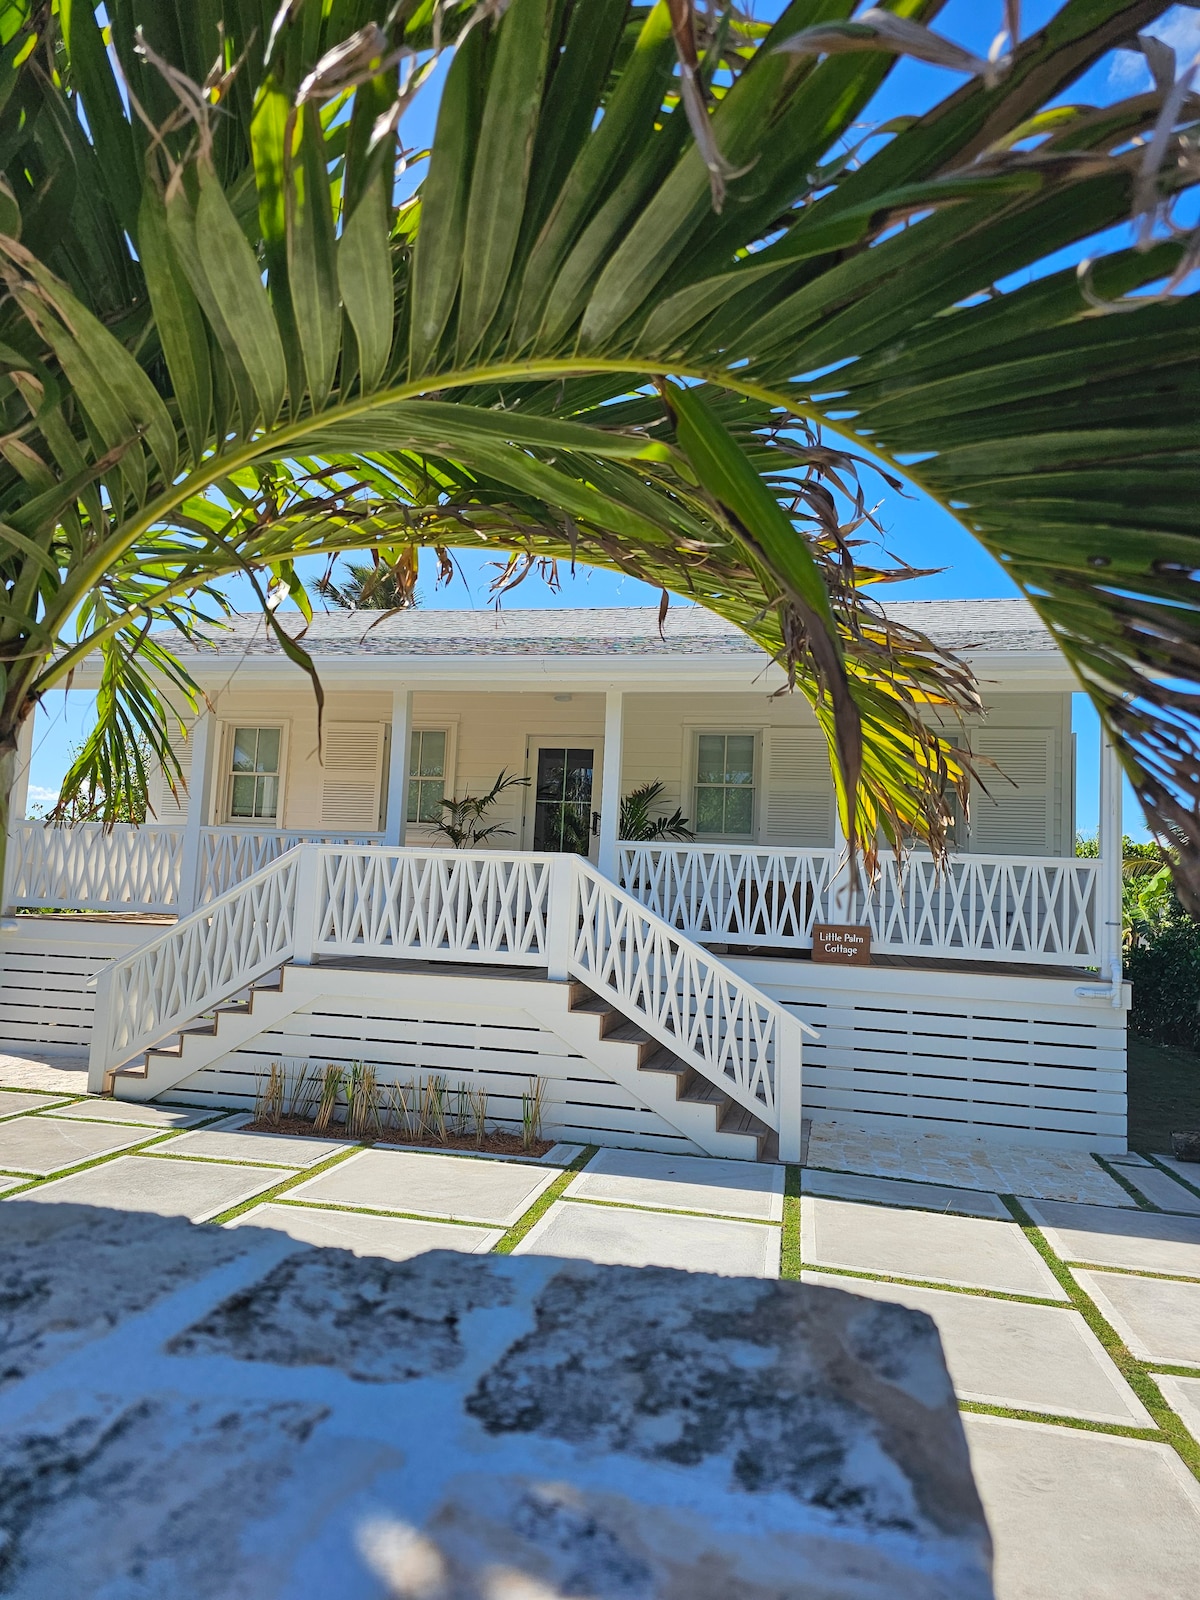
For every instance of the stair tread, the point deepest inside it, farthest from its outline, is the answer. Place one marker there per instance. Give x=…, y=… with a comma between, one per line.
x=665, y=1061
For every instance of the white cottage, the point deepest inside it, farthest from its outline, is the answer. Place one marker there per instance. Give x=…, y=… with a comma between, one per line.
x=298, y=904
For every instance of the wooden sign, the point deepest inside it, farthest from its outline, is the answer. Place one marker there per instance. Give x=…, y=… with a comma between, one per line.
x=842, y=945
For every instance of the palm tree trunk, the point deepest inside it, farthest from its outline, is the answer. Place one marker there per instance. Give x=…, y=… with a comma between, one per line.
x=8, y=776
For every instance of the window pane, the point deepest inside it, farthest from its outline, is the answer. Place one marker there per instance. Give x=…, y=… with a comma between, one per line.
x=739, y=811
x=268, y=750
x=431, y=801
x=709, y=811
x=245, y=749
x=242, y=803
x=710, y=758
x=739, y=758
x=433, y=755
x=414, y=796
x=268, y=797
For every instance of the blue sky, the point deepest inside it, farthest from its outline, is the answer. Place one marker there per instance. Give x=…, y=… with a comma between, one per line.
x=916, y=528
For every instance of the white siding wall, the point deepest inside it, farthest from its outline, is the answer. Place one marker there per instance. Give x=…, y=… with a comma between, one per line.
x=46, y=968
x=1028, y=736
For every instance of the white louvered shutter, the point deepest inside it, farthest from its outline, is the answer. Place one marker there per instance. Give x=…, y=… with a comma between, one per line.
x=351, y=776
x=165, y=806
x=1014, y=821
x=799, y=790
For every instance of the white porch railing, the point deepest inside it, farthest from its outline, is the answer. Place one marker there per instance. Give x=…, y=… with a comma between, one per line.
x=230, y=855
x=490, y=907
x=1035, y=909
x=93, y=868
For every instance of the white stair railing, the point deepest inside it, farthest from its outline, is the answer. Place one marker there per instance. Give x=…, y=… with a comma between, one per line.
x=93, y=867
x=523, y=910
x=688, y=1000
x=230, y=855
x=201, y=961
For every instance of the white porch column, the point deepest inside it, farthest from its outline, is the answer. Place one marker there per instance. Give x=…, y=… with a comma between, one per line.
x=397, y=794
x=610, y=783
x=1111, y=848
x=204, y=754
x=19, y=796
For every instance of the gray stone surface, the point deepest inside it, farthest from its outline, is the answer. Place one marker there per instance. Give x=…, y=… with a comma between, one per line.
x=193, y=1189
x=1004, y=1353
x=272, y=1149
x=1183, y=1396
x=619, y=1237
x=71, y=1274
x=561, y=1155
x=1142, y=1241
x=15, y=1101
x=45, y=1144
x=1189, y=1171
x=11, y=1183
x=1163, y=1190
x=430, y=1186
x=1085, y=1516
x=302, y=1423
x=970, y=1251
x=1158, y=1320
x=682, y=1183
x=150, y=1116
x=1128, y=1158
x=898, y=1192
x=44, y=1067
x=395, y=1238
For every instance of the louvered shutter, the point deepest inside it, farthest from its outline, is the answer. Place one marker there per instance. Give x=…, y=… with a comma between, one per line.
x=351, y=776
x=799, y=790
x=1014, y=821
x=165, y=806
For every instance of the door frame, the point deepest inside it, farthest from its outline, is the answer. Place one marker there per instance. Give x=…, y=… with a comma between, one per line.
x=557, y=741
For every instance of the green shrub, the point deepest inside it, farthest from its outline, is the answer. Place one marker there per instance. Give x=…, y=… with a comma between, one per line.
x=1162, y=962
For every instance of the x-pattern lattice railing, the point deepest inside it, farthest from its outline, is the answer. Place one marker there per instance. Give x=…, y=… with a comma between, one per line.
x=1002, y=908
x=684, y=997
x=519, y=910
x=91, y=867
x=230, y=855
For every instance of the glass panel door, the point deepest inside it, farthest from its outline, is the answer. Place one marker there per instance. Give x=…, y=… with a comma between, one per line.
x=562, y=813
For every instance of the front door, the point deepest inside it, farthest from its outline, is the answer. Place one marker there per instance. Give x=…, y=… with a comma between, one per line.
x=562, y=798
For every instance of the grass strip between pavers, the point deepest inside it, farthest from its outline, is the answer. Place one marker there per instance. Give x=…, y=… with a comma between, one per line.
x=1143, y=1202
x=1184, y=1183
x=29, y=1182
x=373, y=1211
x=1122, y=1430
x=672, y=1211
x=1136, y=1373
x=789, y=1256
x=265, y=1196
x=514, y=1235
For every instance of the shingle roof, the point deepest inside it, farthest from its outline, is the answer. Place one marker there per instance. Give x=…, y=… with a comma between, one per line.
x=964, y=625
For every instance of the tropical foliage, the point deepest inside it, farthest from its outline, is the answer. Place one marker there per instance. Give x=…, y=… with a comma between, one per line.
x=657, y=304
x=465, y=822
x=367, y=586
x=640, y=825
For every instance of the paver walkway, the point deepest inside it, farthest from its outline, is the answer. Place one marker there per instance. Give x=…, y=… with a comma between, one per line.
x=1069, y=1317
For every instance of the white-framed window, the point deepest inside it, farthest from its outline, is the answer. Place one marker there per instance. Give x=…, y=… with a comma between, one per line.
x=725, y=785
x=254, y=776
x=427, y=769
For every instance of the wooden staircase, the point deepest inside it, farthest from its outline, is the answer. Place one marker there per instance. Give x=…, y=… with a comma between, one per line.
x=691, y=1088
x=239, y=1007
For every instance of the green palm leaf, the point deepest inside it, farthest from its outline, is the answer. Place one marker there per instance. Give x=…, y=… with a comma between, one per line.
x=612, y=324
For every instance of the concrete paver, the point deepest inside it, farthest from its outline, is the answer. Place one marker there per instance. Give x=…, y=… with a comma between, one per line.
x=1142, y=1241
x=1189, y=1171
x=149, y=1116
x=971, y=1251
x=900, y=1192
x=35, y=1066
x=11, y=1183
x=430, y=1186
x=614, y=1236
x=395, y=1238
x=1183, y=1396
x=273, y=1149
x=1157, y=1319
x=1077, y=1515
x=13, y=1102
x=44, y=1144
x=1162, y=1189
x=683, y=1183
x=197, y=1190
x=964, y=1163
x=1003, y=1353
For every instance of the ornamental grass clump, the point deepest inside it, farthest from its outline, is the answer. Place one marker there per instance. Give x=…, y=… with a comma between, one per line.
x=531, y=1112
x=331, y=1088
x=269, y=1093
x=479, y=1109
x=433, y=1108
x=362, y=1102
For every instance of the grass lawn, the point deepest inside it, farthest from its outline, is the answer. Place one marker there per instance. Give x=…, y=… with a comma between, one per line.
x=1164, y=1093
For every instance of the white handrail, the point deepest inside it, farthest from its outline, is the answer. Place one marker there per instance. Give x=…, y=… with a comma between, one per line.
x=1036, y=909
x=433, y=905
x=93, y=867
x=201, y=961
x=548, y=911
x=690, y=1001
x=228, y=855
